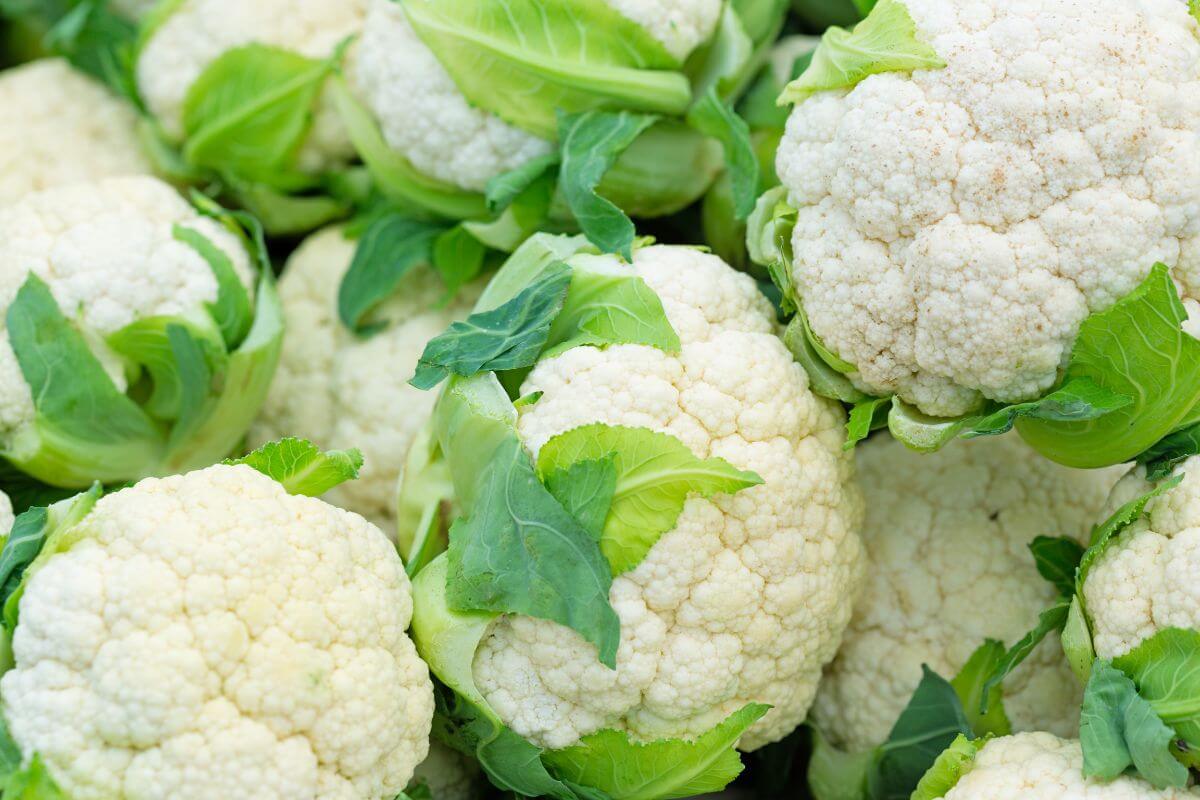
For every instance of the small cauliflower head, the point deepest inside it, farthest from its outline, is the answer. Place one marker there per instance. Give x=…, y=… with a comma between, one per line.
x=745, y=599
x=179, y=48
x=62, y=127
x=209, y=635
x=447, y=774
x=945, y=535
x=1041, y=766
x=956, y=225
x=1146, y=581
x=330, y=387
x=426, y=118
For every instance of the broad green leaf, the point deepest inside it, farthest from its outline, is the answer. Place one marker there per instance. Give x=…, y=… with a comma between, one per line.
x=524, y=60
x=286, y=215
x=655, y=475
x=713, y=117
x=1079, y=398
x=233, y=311
x=391, y=246
x=1136, y=349
x=526, y=264
x=506, y=187
x=1050, y=620
x=1166, y=670
x=585, y=489
x=1057, y=559
x=21, y=547
x=10, y=754
x=666, y=169
x=425, y=503
x=32, y=783
x=1162, y=458
x=886, y=41
x=302, y=467
x=1105, y=534
x=178, y=360
x=97, y=41
x=249, y=111
x=866, y=416
x=1119, y=729
x=510, y=336
x=769, y=240
x=835, y=774
x=954, y=762
x=825, y=381
x=661, y=770
x=1077, y=642
x=921, y=432
x=589, y=143
x=458, y=257
x=85, y=429
x=972, y=681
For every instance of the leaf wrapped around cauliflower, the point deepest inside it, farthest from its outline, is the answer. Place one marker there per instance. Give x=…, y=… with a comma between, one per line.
x=210, y=635
x=140, y=334
x=657, y=532
x=971, y=222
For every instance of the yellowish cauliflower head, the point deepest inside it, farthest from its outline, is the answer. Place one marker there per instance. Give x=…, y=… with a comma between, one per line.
x=946, y=535
x=746, y=598
x=61, y=127
x=1147, y=580
x=1041, y=766
x=957, y=225
x=211, y=636
x=339, y=390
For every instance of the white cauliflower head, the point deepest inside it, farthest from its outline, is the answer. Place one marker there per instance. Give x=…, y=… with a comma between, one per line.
x=1041, y=766
x=339, y=390
x=425, y=117
x=746, y=598
x=946, y=534
x=6, y=514
x=197, y=32
x=1146, y=581
x=957, y=225
x=61, y=127
x=211, y=636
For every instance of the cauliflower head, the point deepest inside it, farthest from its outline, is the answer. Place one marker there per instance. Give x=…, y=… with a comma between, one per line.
x=1041, y=766
x=746, y=598
x=178, y=49
x=209, y=635
x=426, y=118
x=946, y=534
x=62, y=127
x=956, y=225
x=329, y=387
x=6, y=512
x=1145, y=582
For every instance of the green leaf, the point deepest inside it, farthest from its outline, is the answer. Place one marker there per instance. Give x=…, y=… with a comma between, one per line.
x=886, y=41
x=249, y=111
x=769, y=240
x=510, y=336
x=523, y=60
x=1080, y=398
x=391, y=246
x=1166, y=670
x=713, y=117
x=1194, y=9
x=611, y=762
x=1056, y=559
x=302, y=467
x=585, y=489
x=1119, y=729
x=954, y=762
x=1134, y=349
x=1077, y=642
x=1052, y=619
x=21, y=547
x=98, y=42
x=178, y=361
x=1162, y=458
x=503, y=189
x=666, y=169
x=589, y=143
x=921, y=432
x=233, y=311
x=866, y=416
x=835, y=774
x=972, y=681
x=1105, y=534
x=655, y=475
x=32, y=783
x=10, y=754
x=458, y=257
x=826, y=381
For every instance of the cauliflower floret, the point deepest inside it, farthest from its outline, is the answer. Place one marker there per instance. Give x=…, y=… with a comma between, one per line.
x=107, y=252
x=425, y=117
x=448, y=774
x=330, y=388
x=211, y=636
x=60, y=127
x=745, y=600
x=1147, y=580
x=957, y=225
x=945, y=535
x=197, y=32
x=1040, y=766
x=6, y=514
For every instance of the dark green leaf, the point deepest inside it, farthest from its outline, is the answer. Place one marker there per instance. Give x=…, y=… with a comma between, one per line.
x=302, y=467
x=927, y=726
x=232, y=311
x=1052, y=619
x=1170, y=452
x=458, y=258
x=1057, y=558
x=866, y=416
x=98, y=42
x=506, y=187
x=585, y=489
x=392, y=245
x=1079, y=398
x=712, y=117
x=22, y=546
x=972, y=681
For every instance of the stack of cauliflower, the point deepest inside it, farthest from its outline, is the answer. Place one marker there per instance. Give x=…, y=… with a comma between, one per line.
x=376, y=422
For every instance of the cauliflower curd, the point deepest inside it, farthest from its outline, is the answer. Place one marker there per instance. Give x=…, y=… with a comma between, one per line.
x=745, y=599
x=946, y=533
x=956, y=225
x=211, y=636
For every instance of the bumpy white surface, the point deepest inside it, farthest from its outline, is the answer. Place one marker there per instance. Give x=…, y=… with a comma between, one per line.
x=946, y=534
x=957, y=225
x=340, y=391
x=60, y=126
x=212, y=636
x=1040, y=766
x=448, y=774
x=6, y=514
x=425, y=117
x=1147, y=580
x=199, y=31
x=746, y=598
x=107, y=252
